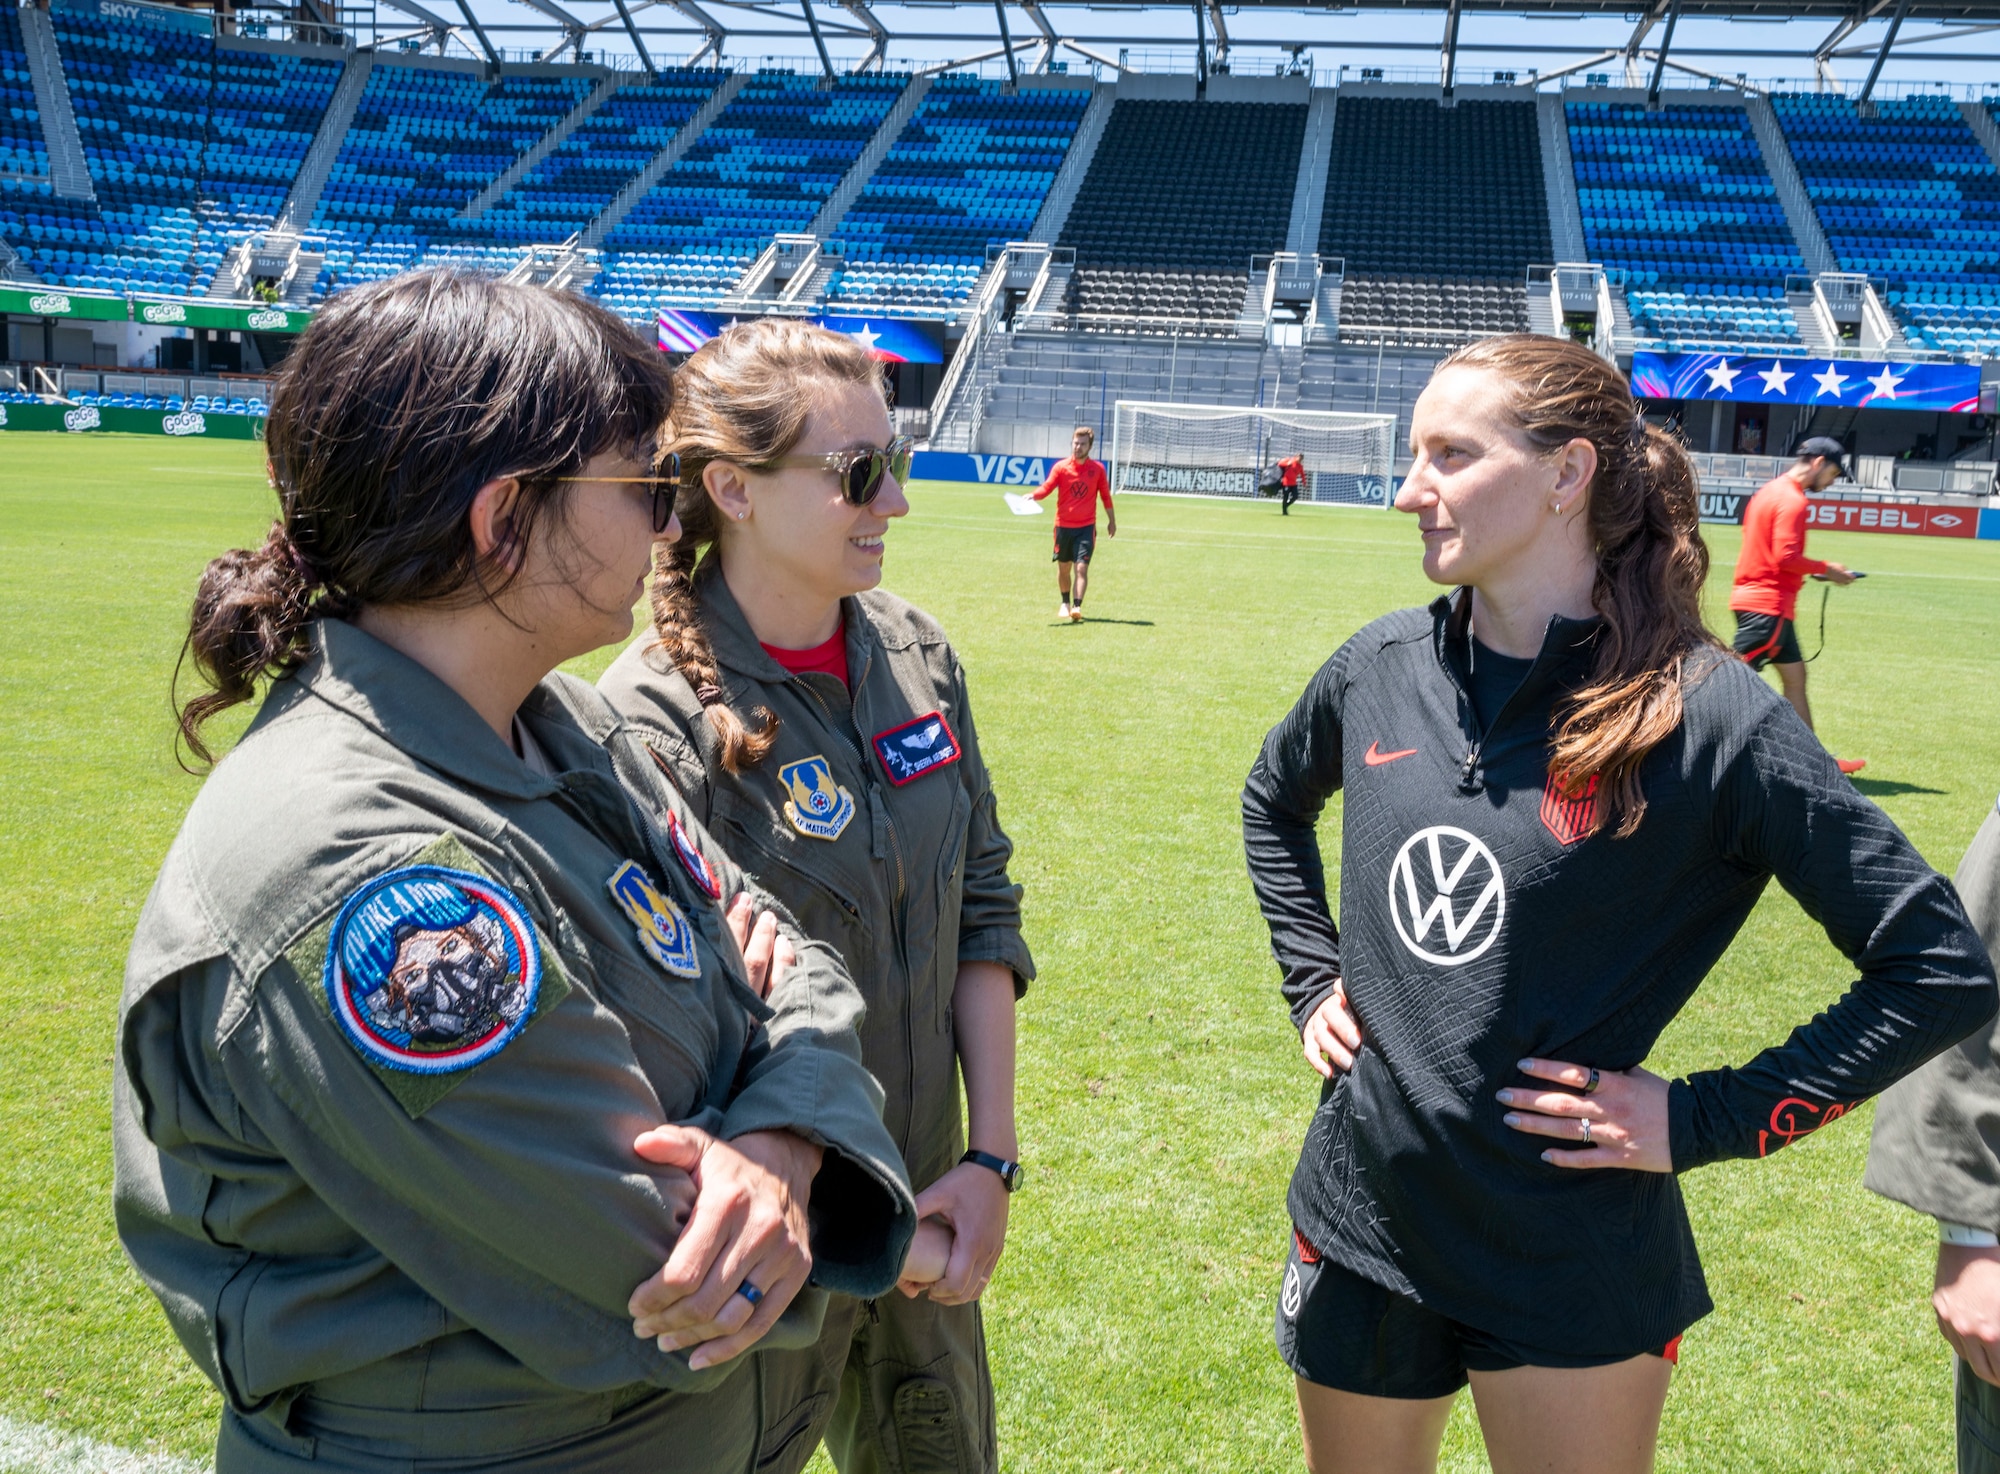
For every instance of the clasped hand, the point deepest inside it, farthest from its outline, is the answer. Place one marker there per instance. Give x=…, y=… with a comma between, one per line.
x=748, y=1221
x=1626, y=1111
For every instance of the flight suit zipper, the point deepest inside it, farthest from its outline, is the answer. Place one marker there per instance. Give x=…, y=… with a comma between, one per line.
x=901, y=918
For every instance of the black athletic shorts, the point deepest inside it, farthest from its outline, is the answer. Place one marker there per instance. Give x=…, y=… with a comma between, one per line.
x=1763, y=638
x=1339, y=1330
x=1075, y=544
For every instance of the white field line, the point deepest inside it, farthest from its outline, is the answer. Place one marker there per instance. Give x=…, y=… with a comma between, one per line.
x=30, y=1448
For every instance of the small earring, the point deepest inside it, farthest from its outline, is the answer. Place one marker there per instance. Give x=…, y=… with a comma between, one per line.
x=739, y=516
x=1556, y=507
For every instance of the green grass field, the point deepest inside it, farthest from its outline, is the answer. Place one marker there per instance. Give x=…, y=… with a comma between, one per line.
x=1163, y=1098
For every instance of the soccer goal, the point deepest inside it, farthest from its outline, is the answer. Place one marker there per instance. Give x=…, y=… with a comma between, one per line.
x=1204, y=450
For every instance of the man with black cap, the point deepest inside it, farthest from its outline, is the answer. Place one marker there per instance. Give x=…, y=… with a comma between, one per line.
x=1773, y=565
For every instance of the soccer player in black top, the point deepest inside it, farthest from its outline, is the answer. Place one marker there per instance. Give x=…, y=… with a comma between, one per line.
x=1562, y=798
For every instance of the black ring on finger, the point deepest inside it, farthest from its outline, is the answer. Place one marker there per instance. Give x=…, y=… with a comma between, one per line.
x=750, y=1292
x=1590, y=1085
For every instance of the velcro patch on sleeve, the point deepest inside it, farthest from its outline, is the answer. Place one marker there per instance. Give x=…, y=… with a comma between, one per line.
x=919, y=746
x=429, y=970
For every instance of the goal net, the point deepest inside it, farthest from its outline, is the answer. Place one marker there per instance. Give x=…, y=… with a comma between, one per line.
x=1204, y=450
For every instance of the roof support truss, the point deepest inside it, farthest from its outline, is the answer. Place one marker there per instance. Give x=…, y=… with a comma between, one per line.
x=1660, y=57
x=1007, y=43
x=1448, y=62
x=1049, y=36
x=878, y=35
x=819, y=41
x=492, y=56
x=1895, y=25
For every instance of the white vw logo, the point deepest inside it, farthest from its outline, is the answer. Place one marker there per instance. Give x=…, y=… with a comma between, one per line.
x=1462, y=880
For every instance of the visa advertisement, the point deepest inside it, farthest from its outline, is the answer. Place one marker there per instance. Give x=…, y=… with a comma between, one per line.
x=890, y=339
x=1852, y=383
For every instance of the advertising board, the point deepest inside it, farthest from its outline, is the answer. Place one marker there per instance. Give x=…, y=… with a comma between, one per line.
x=1951, y=388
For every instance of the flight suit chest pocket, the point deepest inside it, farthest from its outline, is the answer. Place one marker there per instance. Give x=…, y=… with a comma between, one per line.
x=814, y=878
x=670, y=1021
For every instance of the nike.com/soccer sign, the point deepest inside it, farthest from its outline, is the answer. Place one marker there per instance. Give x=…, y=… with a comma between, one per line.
x=1446, y=895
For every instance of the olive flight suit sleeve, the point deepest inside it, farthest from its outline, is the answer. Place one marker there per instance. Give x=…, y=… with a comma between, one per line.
x=508, y=1192
x=989, y=926
x=1298, y=769
x=1781, y=806
x=1936, y=1146
x=803, y=1074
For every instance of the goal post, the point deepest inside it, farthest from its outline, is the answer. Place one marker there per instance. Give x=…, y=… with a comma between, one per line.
x=1210, y=450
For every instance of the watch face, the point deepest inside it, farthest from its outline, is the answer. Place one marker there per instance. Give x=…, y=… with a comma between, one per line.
x=1015, y=1177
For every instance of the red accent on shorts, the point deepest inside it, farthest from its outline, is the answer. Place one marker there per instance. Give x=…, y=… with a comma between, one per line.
x=1307, y=1253
x=1769, y=647
x=1671, y=1352
x=829, y=659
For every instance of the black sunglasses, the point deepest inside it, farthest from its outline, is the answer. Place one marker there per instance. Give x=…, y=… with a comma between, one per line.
x=861, y=472
x=664, y=484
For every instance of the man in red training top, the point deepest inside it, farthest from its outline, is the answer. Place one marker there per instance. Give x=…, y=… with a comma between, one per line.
x=1079, y=482
x=1291, y=476
x=1774, y=564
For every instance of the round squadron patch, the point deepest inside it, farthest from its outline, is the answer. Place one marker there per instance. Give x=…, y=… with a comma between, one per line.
x=699, y=870
x=432, y=970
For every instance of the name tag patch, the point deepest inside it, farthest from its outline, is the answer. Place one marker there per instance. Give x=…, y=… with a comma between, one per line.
x=917, y=747
x=818, y=807
x=698, y=868
x=430, y=970
x=662, y=926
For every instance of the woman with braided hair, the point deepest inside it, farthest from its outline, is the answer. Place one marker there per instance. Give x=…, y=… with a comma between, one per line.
x=821, y=728
x=1561, y=799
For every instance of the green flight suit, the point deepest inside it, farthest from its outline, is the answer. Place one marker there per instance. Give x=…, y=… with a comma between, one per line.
x=384, y=1187
x=913, y=883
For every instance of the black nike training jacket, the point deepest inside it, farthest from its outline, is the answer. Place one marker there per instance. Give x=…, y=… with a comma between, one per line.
x=1478, y=926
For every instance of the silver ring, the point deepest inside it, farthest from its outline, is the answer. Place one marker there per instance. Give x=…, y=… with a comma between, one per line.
x=1586, y=1131
x=1590, y=1085
x=751, y=1293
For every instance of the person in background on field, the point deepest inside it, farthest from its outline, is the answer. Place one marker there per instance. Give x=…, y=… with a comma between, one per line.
x=1937, y=1149
x=438, y=954
x=1078, y=482
x=823, y=726
x=1557, y=748
x=1292, y=477
x=1773, y=565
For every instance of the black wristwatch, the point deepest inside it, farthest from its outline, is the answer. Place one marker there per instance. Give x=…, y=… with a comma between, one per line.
x=1011, y=1173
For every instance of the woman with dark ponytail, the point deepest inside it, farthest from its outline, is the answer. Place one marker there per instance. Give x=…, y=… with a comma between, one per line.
x=450, y=1041
x=823, y=729
x=1561, y=799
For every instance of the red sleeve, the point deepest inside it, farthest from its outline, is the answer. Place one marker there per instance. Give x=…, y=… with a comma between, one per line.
x=1048, y=485
x=1103, y=484
x=1788, y=539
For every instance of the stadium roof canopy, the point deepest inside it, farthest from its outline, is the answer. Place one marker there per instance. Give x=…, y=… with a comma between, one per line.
x=1172, y=35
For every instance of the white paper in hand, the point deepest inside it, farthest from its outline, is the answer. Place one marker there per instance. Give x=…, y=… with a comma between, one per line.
x=1022, y=506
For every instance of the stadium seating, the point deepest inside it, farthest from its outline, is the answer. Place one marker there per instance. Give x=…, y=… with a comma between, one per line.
x=970, y=170
x=23, y=155
x=423, y=142
x=1179, y=196
x=766, y=164
x=1909, y=196
x=583, y=174
x=1415, y=259
x=263, y=112
x=1679, y=199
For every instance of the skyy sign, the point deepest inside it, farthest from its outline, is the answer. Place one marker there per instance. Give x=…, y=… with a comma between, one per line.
x=1853, y=383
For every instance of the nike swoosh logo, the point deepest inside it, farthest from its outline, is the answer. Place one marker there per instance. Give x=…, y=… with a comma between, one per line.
x=1375, y=757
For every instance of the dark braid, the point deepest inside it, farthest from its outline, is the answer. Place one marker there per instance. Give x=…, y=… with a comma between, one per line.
x=677, y=628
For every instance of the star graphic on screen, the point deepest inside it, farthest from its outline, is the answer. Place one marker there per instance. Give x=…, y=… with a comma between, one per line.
x=1775, y=378
x=1722, y=376
x=1830, y=382
x=866, y=336
x=1885, y=383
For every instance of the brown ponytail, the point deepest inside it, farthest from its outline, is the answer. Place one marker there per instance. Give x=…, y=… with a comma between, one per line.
x=744, y=397
x=1644, y=512
x=401, y=400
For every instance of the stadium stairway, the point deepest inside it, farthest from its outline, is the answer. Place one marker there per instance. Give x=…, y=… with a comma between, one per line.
x=1784, y=171
x=1983, y=128
x=1559, y=181
x=1315, y=157
x=593, y=234
x=849, y=189
x=545, y=145
x=69, y=171
x=333, y=126
x=1056, y=204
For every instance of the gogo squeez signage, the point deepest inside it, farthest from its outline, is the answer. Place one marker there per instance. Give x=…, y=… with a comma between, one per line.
x=235, y=317
x=83, y=419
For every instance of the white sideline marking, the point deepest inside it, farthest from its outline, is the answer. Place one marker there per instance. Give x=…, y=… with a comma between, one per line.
x=30, y=1448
